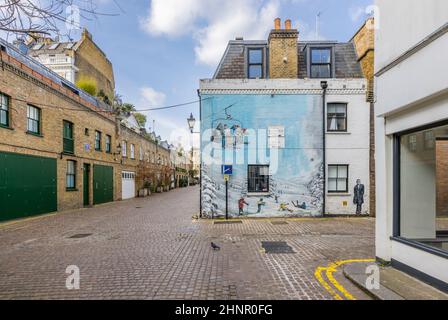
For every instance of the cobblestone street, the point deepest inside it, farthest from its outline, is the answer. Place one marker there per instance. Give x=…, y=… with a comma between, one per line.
x=152, y=249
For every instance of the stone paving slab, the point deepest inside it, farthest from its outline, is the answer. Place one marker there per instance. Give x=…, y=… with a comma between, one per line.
x=394, y=284
x=152, y=249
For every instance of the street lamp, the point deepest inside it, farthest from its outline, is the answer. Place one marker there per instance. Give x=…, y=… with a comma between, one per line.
x=191, y=122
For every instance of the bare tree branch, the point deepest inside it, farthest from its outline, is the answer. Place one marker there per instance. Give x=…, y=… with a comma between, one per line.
x=48, y=17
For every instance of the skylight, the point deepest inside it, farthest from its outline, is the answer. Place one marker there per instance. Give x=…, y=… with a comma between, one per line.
x=53, y=46
x=38, y=46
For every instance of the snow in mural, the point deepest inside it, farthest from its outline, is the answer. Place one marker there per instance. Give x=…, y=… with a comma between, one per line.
x=279, y=135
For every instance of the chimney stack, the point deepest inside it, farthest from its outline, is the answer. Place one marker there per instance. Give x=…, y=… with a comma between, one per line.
x=277, y=24
x=283, y=51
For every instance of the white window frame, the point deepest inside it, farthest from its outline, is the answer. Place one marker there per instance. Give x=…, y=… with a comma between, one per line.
x=276, y=137
x=124, y=149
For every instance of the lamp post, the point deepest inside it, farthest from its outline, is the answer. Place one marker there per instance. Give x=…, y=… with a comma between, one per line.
x=191, y=122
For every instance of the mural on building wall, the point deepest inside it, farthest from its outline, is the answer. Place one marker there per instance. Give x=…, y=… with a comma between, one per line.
x=358, y=198
x=277, y=136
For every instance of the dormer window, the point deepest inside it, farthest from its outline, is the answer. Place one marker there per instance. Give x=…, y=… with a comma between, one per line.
x=255, y=63
x=321, y=63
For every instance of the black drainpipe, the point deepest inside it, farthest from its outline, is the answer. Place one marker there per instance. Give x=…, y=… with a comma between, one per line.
x=324, y=86
x=200, y=158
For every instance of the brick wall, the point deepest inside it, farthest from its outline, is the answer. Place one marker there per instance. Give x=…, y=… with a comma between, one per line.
x=442, y=177
x=148, y=169
x=93, y=63
x=283, y=44
x=364, y=41
x=24, y=86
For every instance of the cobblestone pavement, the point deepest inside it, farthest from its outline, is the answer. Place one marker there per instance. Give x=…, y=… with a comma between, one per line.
x=151, y=249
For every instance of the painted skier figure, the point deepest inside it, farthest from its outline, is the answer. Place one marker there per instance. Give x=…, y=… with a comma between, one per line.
x=260, y=204
x=299, y=206
x=358, y=199
x=284, y=207
x=241, y=204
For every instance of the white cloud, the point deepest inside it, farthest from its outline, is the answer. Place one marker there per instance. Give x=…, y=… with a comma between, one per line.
x=152, y=98
x=356, y=13
x=211, y=23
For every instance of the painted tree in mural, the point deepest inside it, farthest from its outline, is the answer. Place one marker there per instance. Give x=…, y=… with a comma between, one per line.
x=209, y=191
x=315, y=188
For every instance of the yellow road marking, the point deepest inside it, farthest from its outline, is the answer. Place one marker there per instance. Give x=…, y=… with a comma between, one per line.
x=332, y=268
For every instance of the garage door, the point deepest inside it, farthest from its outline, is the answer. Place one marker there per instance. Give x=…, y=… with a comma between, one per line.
x=27, y=186
x=103, y=184
x=128, y=185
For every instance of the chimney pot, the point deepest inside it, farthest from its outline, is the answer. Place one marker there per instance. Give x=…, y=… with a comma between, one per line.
x=288, y=24
x=277, y=23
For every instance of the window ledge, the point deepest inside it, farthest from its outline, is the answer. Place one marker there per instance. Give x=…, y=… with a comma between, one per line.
x=71, y=190
x=421, y=246
x=258, y=194
x=68, y=153
x=5, y=127
x=339, y=132
x=34, y=134
x=339, y=194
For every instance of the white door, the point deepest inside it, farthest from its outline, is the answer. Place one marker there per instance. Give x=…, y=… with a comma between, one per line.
x=127, y=185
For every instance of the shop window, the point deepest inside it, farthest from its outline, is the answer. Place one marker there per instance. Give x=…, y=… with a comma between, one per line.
x=422, y=187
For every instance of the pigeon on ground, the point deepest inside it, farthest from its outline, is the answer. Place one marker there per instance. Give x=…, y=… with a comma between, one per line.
x=215, y=247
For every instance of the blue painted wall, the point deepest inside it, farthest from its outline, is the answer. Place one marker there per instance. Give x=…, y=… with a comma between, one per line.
x=296, y=169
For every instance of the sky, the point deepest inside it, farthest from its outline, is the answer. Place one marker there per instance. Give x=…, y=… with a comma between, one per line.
x=161, y=48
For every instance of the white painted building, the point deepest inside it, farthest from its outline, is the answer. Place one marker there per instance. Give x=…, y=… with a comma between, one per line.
x=412, y=137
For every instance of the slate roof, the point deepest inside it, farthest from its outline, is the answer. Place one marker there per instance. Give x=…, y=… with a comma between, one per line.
x=233, y=62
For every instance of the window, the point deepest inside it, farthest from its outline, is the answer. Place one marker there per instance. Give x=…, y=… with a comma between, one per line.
x=430, y=141
x=97, y=141
x=338, y=178
x=276, y=137
x=421, y=187
x=124, y=149
x=108, y=144
x=4, y=110
x=33, y=114
x=132, y=151
x=337, y=117
x=258, y=179
x=320, y=63
x=141, y=154
x=71, y=175
x=69, y=143
x=255, y=63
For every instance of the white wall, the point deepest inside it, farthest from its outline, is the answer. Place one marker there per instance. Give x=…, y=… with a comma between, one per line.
x=351, y=148
x=404, y=23
x=409, y=95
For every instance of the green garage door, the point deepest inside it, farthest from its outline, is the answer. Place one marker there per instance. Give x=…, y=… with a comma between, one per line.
x=103, y=184
x=27, y=186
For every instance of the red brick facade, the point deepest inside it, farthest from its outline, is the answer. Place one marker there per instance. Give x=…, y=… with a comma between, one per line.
x=442, y=177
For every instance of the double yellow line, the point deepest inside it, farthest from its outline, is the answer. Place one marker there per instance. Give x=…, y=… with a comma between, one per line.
x=337, y=291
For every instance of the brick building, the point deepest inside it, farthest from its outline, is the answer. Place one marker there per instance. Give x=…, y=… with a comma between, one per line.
x=61, y=148
x=74, y=61
x=292, y=119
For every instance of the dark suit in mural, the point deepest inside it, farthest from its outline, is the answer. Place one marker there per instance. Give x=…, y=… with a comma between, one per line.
x=358, y=199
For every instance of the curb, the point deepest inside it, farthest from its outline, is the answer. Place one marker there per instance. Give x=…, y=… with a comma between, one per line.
x=356, y=274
